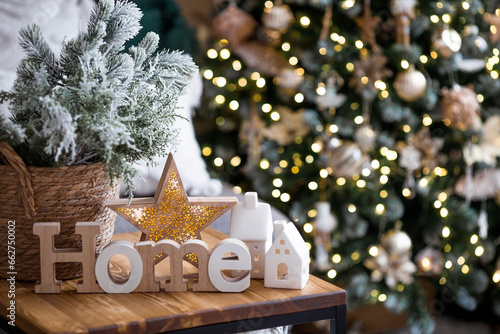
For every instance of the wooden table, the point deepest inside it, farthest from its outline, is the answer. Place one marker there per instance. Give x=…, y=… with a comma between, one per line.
x=177, y=312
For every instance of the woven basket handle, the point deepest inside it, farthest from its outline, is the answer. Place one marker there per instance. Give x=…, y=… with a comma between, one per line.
x=26, y=190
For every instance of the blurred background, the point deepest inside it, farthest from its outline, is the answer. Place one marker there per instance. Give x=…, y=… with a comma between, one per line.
x=375, y=127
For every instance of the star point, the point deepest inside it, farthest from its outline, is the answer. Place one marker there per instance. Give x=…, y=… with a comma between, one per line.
x=171, y=214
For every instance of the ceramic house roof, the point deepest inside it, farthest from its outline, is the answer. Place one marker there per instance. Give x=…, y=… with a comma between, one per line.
x=292, y=235
x=250, y=220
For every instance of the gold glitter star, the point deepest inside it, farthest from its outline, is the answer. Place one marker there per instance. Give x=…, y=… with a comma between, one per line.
x=171, y=214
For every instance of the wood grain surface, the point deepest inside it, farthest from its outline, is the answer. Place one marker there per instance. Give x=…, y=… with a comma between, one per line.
x=71, y=312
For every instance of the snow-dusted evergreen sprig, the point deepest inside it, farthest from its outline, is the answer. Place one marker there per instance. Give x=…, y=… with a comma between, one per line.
x=96, y=102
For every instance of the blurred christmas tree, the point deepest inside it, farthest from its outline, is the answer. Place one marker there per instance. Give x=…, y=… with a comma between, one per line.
x=376, y=127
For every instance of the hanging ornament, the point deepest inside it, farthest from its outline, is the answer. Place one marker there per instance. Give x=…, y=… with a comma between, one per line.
x=482, y=222
x=396, y=242
x=365, y=138
x=446, y=41
x=409, y=159
x=367, y=71
x=471, y=57
x=410, y=84
x=429, y=261
x=468, y=171
x=289, y=80
x=393, y=268
x=268, y=37
x=331, y=98
x=404, y=11
x=262, y=58
x=290, y=126
x=488, y=149
x=250, y=135
x=324, y=225
x=367, y=25
x=485, y=184
x=494, y=21
x=429, y=148
x=278, y=17
x=234, y=24
x=459, y=107
x=325, y=221
x=346, y=158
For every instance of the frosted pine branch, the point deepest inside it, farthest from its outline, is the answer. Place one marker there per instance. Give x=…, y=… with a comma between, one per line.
x=96, y=103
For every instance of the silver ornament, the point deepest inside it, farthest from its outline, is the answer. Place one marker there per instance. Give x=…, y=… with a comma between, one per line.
x=331, y=98
x=471, y=57
x=396, y=243
x=409, y=158
x=410, y=84
x=446, y=42
x=365, y=137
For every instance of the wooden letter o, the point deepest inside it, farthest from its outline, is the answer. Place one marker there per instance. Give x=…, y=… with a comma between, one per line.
x=105, y=278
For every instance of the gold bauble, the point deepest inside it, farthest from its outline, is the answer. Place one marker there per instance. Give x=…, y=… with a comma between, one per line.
x=446, y=42
x=277, y=17
x=410, y=84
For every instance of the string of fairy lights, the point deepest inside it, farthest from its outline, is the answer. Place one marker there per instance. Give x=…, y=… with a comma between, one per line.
x=382, y=167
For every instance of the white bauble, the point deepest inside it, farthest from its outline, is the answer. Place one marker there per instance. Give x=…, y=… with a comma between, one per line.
x=325, y=222
x=396, y=242
x=410, y=84
x=277, y=17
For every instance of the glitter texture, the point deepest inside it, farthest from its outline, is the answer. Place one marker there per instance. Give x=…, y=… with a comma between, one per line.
x=171, y=214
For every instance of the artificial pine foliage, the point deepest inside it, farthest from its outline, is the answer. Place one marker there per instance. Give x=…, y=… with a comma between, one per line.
x=96, y=103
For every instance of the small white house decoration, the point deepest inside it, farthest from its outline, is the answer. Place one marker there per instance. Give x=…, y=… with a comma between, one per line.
x=287, y=261
x=252, y=223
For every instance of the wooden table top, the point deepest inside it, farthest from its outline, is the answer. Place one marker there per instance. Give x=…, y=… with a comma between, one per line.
x=70, y=311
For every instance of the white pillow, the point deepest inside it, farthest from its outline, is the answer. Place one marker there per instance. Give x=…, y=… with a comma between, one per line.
x=57, y=20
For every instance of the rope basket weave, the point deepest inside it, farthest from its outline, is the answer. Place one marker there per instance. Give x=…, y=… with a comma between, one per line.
x=66, y=195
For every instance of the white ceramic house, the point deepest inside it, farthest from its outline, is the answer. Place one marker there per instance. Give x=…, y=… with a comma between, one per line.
x=287, y=261
x=252, y=223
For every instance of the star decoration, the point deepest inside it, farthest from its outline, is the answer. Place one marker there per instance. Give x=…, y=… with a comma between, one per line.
x=392, y=269
x=290, y=126
x=367, y=25
x=494, y=21
x=367, y=71
x=171, y=214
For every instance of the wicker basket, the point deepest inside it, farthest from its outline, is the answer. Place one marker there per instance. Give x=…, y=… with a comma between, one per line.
x=40, y=194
